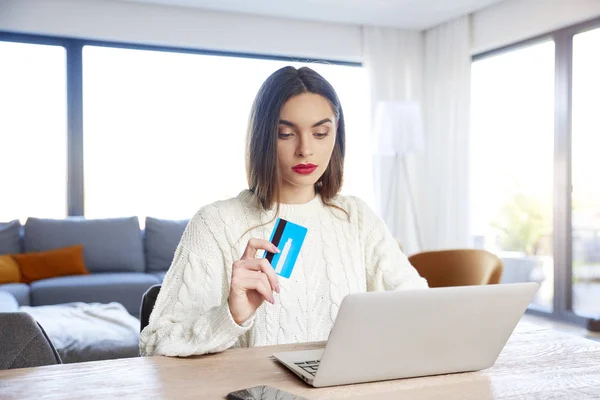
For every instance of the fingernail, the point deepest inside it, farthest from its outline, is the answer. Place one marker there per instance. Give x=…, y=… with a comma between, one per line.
x=277, y=288
x=272, y=300
x=276, y=250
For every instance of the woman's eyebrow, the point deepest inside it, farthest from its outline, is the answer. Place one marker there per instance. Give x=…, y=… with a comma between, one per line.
x=291, y=124
x=321, y=122
x=288, y=123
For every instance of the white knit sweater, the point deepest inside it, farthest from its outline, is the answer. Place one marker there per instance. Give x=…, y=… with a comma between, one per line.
x=191, y=314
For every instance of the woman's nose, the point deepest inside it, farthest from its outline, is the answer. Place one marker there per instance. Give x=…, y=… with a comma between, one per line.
x=304, y=148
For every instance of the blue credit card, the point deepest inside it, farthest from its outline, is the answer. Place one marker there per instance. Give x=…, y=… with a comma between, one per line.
x=288, y=237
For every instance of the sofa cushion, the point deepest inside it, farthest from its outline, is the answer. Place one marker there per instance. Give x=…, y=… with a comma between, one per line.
x=126, y=288
x=162, y=238
x=9, y=237
x=21, y=291
x=160, y=275
x=8, y=303
x=50, y=264
x=109, y=245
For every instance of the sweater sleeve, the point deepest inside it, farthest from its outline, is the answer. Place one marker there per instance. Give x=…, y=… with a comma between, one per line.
x=191, y=315
x=387, y=266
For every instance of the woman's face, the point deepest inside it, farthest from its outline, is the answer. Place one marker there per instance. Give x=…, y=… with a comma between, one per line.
x=306, y=137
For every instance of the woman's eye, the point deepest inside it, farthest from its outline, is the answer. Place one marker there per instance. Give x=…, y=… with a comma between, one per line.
x=321, y=135
x=285, y=135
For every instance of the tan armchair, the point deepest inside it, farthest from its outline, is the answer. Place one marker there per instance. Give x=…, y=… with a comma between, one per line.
x=458, y=267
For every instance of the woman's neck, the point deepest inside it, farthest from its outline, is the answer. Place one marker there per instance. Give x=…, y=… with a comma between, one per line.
x=296, y=195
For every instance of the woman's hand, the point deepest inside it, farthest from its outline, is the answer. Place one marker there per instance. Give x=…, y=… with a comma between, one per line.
x=253, y=281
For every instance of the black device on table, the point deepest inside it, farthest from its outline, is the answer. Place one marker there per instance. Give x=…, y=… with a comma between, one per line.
x=263, y=393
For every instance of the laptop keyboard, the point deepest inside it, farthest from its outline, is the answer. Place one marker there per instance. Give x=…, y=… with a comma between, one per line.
x=309, y=366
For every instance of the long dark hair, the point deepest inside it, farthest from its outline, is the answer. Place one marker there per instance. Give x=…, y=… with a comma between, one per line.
x=261, y=146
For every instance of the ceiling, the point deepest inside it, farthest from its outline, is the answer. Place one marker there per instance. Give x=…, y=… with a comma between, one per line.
x=407, y=14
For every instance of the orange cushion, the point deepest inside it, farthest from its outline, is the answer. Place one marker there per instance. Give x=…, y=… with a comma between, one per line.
x=9, y=270
x=50, y=264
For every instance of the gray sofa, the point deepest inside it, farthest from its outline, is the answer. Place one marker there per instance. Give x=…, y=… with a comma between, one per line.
x=123, y=260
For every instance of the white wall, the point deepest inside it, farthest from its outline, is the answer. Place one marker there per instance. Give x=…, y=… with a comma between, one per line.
x=182, y=27
x=515, y=20
x=501, y=24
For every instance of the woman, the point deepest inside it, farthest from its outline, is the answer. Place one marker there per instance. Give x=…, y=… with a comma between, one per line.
x=213, y=299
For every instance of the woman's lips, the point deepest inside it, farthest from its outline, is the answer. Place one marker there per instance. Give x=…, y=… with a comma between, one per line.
x=304, y=169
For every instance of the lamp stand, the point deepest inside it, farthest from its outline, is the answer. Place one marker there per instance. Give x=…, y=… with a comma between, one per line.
x=412, y=202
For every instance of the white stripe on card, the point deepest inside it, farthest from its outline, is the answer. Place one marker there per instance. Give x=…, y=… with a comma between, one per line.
x=283, y=256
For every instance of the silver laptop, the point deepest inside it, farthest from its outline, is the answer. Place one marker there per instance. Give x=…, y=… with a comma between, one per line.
x=390, y=335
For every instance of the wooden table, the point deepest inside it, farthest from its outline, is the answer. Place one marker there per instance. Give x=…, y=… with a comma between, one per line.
x=537, y=363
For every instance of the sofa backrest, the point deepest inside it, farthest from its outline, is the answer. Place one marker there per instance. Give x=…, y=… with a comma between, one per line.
x=109, y=245
x=161, y=239
x=10, y=241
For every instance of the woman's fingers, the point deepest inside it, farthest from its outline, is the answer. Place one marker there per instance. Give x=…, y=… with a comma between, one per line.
x=258, y=281
x=258, y=244
x=250, y=270
x=252, y=279
x=262, y=265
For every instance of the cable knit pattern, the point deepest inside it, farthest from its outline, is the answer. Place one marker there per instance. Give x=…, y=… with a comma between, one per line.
x=339, y=256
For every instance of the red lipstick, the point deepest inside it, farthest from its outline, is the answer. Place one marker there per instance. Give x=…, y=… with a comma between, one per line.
x=304, y=169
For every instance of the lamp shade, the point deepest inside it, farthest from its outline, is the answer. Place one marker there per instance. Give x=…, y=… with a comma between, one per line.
x=398, y=128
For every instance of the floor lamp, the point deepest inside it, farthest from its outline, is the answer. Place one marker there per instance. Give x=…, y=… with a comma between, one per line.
x=398, y=130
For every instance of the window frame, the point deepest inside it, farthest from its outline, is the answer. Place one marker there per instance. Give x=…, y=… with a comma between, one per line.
x=562, y=309
x=74, y=50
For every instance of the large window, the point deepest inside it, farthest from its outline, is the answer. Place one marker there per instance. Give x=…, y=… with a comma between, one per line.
x=534, y=159
x=144, y=131
x=164, y=133
x=512, y=159
x=33, y=133
x=586, y=166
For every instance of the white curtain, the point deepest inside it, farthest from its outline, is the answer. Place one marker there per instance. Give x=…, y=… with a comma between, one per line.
x=433, y=68
x=394, y=61
x=444, y=168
